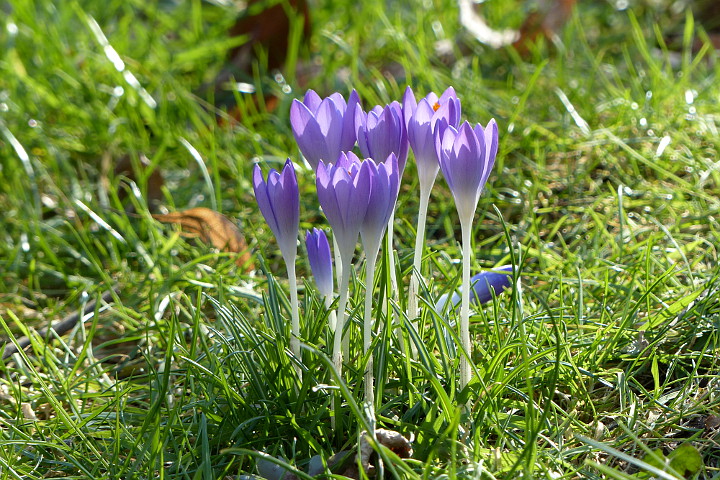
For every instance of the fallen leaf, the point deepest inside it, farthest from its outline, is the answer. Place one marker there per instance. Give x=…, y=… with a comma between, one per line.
x=268, y=27
x=712, y=422
x=213, y=228
x=546, y=21
x=390, y=439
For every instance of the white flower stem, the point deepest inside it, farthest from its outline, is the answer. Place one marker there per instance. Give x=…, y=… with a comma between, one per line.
x=393, y=283
x=295, y=315
x=337, y=343
x=466, y=227
x=391, y=266
x=338, y=260
x=416, y=277
x=367, y=326
x=332, y=318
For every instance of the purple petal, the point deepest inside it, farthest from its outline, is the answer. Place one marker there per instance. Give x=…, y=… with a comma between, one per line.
x=408, y=105
x=320, y=260
x=485, y=284
x=312, y=100
x=307, y=133
x=421, y=139
x=361, y=131
x=329, y=118
x=261, y=196
x=279, y=202
x=448, y=95
x=349, y=135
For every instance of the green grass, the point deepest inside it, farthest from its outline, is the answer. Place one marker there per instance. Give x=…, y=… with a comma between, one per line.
x=605, y=194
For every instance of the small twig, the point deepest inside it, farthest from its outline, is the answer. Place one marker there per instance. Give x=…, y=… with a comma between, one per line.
x=61, y=327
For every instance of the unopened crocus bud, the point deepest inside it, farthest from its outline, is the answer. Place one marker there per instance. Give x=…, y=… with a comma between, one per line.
x=279, y=202
x=466, y=155
x=318, y=250
x=484, y=285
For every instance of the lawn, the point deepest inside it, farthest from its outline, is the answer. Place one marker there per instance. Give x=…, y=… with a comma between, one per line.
x=601, y=360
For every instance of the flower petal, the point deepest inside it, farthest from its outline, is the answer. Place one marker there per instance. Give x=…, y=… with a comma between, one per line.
x=320, y=260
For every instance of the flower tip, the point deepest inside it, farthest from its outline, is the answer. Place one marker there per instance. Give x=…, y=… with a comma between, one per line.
x=492, y=282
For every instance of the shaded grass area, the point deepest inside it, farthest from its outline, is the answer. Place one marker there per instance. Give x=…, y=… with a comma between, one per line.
x=605, y=195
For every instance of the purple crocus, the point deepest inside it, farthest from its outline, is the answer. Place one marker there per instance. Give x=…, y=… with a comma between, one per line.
x=279, y=202
x=343, y=191
x=318, y=250
x=466, y=156
x=324, y=128
x=421, y=119
x=484, y=284
x=382, y=131
x=384, y=186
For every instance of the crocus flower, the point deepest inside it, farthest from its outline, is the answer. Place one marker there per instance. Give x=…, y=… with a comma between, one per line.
x=279, y=202
x=422, y=119
x=343, y=190
x=484, y=285
x=320, y=258
x=384, y=185
x=324, y=128
x=318, y=250
x=382, y=131
x=466, y=156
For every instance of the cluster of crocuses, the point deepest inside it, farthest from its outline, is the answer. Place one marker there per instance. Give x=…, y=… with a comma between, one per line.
x=358, y=196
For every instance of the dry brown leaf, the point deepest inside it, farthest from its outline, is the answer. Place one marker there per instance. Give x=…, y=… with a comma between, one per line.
x=547, y=22
x=213, y=228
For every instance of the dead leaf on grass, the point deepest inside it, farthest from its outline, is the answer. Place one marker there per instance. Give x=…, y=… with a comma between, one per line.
x=213, y=228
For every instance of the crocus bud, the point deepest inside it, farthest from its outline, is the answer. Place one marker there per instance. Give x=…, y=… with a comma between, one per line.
x=318, y=250
x=483, y=286
x=279, y=202
x=466, y=156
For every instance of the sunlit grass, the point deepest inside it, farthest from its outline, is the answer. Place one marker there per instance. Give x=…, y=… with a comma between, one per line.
x=605, y=194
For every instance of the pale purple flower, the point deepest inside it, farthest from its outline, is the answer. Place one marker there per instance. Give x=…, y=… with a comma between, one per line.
x=421, y=121
x=382, y=131
x=318, y=250
x=343, y=190
x=484, y=285
x=279, y=202
x=466, y=156
x=324, y=128
x=384, y=186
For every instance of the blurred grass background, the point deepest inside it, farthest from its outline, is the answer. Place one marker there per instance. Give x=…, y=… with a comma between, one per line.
x=606, y=179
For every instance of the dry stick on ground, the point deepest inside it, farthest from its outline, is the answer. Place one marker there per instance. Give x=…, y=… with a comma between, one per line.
x=61, y=327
